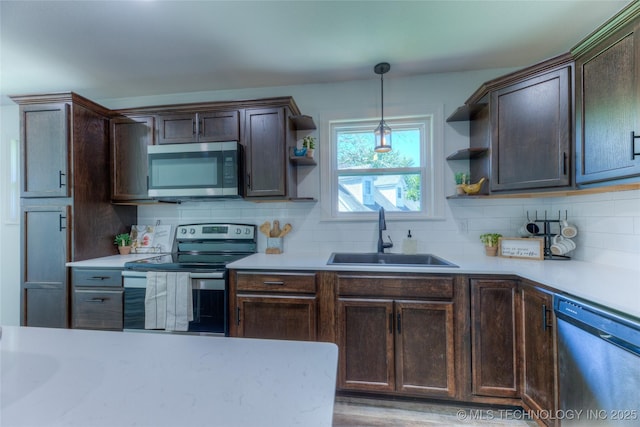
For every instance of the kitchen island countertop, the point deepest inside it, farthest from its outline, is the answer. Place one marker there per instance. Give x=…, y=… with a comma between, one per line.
x=65, y=377
x=612, y=287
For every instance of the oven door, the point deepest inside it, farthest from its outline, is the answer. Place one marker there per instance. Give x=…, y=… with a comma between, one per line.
x=209, y=302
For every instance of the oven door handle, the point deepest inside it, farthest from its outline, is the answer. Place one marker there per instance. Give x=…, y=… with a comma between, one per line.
x=134, y=273
x=211, y=275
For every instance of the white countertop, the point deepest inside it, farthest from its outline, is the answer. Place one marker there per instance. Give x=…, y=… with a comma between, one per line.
x=65, y=377
x=612, y=287
x=113, y=261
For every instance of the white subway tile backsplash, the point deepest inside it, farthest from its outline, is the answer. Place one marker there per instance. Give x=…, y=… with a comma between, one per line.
x=608, y=224
x=626, y=207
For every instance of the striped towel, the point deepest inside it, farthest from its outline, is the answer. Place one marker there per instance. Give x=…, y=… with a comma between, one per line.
x=168, y=301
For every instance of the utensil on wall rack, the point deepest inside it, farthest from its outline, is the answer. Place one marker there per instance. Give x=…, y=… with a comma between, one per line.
x=548, y=235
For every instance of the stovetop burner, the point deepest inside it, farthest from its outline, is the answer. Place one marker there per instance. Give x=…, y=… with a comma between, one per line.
x=203, y=247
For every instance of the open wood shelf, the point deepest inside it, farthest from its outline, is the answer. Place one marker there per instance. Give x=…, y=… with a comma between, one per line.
x=468, y=153
x=465, y=113
x=303, y=122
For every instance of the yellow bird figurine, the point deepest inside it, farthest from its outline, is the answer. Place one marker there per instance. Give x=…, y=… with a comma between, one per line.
x=473, y=188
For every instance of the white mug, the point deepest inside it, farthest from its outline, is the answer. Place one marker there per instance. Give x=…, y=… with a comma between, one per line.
x=567, y=229
x=528, y=229
x=562, y=245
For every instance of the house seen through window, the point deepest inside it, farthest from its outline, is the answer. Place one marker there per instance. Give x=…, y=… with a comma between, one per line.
x=365, y=181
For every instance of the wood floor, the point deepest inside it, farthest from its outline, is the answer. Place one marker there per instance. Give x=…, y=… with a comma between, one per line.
x=361, y=412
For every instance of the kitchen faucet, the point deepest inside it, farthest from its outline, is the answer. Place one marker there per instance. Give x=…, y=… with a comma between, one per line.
x=382, y=225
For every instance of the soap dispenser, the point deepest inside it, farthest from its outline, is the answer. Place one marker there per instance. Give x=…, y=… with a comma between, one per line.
x=409, y=245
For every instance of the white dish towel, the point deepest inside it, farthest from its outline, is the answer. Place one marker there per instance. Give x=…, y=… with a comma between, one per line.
x=168, y=301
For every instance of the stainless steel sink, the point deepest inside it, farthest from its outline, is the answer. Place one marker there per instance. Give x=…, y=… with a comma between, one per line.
x=374, y=258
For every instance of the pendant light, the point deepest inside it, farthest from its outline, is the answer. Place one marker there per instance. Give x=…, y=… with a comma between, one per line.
x=382, y=132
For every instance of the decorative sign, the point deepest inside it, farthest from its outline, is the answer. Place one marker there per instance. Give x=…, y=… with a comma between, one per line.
x=516, y=247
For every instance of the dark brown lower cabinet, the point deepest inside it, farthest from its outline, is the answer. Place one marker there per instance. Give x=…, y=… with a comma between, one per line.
x=539, y=351
x=494, y=333
x=403, y=346
x=277, y=317
x=273, y=305
x=98, y=298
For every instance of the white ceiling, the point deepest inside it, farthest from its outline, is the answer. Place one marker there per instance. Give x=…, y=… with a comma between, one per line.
x=114, y=49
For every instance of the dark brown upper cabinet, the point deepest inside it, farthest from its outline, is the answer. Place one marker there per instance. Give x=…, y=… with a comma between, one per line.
x=531, y=128
x=267, y=165
x=208, y=126
x=45, y=150
x=130, y=137
x=269, y=135
x=608, y=101
x=520, y=129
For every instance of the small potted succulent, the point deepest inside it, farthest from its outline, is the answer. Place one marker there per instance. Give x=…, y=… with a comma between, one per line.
x=309, y=142
x=123, y=241
x=490, y=241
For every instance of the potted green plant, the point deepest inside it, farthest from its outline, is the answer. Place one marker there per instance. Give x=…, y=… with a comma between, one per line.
x=462, y=178
x=123, y=241
x=490, y=241
x=309, y=142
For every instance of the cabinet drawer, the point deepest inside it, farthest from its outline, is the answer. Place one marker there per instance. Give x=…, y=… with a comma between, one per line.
x=101, y=309
x=277, y=282
x=395, y=286
x=97, y=277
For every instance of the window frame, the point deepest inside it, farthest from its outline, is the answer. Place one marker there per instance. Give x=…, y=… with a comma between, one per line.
x=432, y=186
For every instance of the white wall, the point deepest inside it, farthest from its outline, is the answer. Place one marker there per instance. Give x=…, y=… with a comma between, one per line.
x=9, y=226
x=609, y=223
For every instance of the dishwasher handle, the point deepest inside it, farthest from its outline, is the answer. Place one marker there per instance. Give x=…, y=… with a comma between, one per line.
x=620, y=343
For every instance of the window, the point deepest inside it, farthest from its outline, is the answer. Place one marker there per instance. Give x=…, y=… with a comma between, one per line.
x=402, y=181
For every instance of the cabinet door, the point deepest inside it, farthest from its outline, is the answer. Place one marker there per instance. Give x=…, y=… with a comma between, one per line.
x=265, y=152
x=365, y=339
x=424, y=348
x=44, y=274
x=219, y=126
x=277, y=317
x=98, y=308
x=177, y=128
x=608, y=97
x=494, y=326
x=45, y=148
x=531, y=133
x=129, y=140
x=539, y=350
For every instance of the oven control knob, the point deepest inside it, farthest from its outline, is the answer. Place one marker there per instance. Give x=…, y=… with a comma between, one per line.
x=238, y=230
x=247, y=231
x=183, y=231
x=192, y=231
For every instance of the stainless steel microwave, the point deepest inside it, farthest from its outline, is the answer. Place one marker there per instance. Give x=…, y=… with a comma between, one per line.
x=194, y=170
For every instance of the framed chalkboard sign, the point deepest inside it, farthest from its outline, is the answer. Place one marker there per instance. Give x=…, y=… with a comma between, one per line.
x=516, y=247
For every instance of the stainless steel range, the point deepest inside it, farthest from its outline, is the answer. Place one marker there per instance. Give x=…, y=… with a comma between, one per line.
x=203, y=251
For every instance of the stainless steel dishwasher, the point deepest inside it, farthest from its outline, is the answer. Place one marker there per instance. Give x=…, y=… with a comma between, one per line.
x=599, y=365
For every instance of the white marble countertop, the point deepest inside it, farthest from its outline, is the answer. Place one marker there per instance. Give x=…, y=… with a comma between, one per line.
x=611, y=287
x=72, y=377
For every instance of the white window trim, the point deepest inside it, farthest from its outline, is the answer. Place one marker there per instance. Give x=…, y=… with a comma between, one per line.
x=433, y=201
